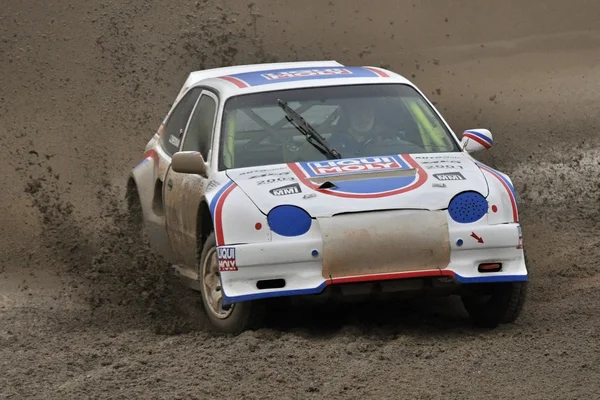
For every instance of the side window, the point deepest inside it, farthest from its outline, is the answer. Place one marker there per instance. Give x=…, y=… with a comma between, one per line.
x=200, y=130
x=178, y=120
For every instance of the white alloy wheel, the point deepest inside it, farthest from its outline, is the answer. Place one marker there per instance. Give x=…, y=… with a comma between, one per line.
x=213, y=293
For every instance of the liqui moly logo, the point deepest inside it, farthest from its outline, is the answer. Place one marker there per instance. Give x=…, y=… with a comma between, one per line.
x=306, y=72
x=227, y=260
x=357, y=165
x=396, y=174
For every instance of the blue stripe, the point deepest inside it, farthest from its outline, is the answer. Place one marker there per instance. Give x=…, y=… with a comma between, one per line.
x=145, y=160
x=492, y=278
x=265, y=295
x=501, y=176
x=482, y=137
x=300, y=292
x=213, y=203
x=257, y=78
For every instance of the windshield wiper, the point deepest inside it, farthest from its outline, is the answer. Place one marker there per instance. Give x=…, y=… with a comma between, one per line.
x=312, y=136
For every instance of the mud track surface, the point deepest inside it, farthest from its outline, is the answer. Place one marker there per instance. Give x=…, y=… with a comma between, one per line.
x=84, y=313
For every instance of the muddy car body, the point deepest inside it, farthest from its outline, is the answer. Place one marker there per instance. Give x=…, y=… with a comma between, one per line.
x=386, y=198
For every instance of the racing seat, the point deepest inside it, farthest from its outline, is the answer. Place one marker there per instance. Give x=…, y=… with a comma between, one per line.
x=398, y=119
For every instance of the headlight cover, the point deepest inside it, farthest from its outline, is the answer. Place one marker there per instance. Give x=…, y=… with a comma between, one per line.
x=468, y=207
x=289, y=221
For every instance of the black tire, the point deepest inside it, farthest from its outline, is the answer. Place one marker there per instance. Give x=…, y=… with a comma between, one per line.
x=244, y=316
x=499, y=303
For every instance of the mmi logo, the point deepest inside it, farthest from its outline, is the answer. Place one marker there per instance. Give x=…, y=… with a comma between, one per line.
x=227, y=260
x=285, y=190
x=450, y=176
x=365, y=164
x=306, y=72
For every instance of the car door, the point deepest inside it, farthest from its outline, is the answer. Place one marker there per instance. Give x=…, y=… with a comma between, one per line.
x=183, y=192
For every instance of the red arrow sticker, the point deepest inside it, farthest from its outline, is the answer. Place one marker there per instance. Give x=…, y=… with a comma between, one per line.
x=474, y=236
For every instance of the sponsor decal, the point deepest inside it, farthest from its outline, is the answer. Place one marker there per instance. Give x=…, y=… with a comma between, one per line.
x=270, y=174
x=449, y=176
x=443, y=166
x=448, y=161
x=365, y=187
x=350, y=165
x=441, y=162
x=212, y=184
x=260, y=171
x=254, y=78
x=439, y=157
x=294, y=188
x=227, y=261
x=306, y=72
x=275, y=180
x=174, y=141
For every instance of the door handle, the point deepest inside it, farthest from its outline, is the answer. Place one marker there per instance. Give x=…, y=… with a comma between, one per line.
x=170, y=184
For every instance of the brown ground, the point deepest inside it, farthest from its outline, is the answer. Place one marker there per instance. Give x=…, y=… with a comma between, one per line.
x=84, y=85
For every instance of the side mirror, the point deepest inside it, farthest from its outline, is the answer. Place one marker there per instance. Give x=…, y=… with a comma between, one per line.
x=189, y=162
x=476, y=140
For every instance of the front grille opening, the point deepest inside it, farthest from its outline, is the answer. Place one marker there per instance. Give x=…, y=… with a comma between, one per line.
x=270, y=284
x=381, y=211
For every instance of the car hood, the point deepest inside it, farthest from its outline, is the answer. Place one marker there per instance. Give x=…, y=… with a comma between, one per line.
x=326, y=188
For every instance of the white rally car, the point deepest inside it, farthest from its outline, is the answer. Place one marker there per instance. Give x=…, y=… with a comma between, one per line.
x=316, y=179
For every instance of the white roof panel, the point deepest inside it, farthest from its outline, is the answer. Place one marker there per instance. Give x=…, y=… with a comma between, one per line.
x=197, y=76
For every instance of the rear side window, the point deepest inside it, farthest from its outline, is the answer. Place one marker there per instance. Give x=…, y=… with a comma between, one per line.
x=200, y=129
x=178, y=120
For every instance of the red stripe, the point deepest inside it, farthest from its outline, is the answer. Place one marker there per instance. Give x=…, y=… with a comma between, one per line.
x=421, y=179
x=151, y=153
x=382, y=74
x=478, y=140
x=219, y=215
x=161, y=130
x=513, y=201
x=237, y=82
x=391, y=276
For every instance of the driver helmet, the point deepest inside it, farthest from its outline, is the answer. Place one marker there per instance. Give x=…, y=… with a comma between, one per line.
x=361, y=117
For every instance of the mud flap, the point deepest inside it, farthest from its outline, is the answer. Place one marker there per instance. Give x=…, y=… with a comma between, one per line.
x=384, y=242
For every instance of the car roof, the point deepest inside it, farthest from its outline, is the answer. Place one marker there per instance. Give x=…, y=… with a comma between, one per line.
x=244, y=79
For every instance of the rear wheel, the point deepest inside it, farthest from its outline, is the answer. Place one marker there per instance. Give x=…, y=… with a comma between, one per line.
x=234, y=318
x=496, y=303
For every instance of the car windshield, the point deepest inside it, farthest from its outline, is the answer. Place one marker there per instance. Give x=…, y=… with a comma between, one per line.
x=356, y=120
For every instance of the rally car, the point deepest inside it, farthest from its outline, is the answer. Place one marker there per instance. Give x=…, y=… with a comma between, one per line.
x=316, y=179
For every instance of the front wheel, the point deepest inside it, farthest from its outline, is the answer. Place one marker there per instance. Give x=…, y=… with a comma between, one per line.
x=234, y=318
x=497, y=303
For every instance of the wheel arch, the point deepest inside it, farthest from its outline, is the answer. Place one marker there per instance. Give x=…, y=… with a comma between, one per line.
x=204, y=225
x=131, y=190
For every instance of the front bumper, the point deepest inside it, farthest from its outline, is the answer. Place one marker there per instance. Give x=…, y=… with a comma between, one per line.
x=305, y=266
